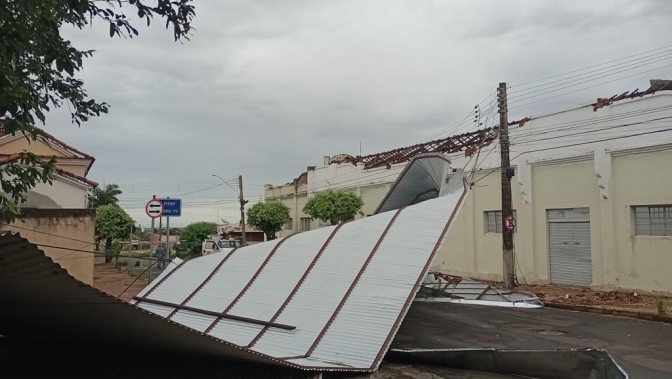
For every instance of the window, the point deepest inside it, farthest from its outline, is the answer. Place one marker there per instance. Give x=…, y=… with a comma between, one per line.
x=493, y=221
x=655, y=220
x=289, y=224
x=305, y=223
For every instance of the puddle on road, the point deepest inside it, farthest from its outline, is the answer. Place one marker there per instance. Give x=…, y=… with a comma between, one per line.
x=550, y=332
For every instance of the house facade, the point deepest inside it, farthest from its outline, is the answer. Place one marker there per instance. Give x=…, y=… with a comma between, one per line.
x=55, y=216
x=591, y=194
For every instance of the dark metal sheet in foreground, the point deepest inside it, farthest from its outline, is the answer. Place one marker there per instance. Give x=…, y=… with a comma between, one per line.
x=541, y=364
x=41, y=301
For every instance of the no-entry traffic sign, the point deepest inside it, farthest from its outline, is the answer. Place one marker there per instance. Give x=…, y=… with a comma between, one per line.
x=510, y=222
x=154, y=208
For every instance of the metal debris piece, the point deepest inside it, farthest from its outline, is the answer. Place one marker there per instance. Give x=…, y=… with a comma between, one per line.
x=440, y=287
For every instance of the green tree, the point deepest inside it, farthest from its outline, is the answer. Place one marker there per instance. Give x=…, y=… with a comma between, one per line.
x=104, y=196
x=191, y=239
x=38, y=66
x=334, y=206
x=268, y=217
x=112, y=222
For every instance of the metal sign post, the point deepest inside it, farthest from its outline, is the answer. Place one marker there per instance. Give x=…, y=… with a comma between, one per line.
x=154, y=209
x=170, y=208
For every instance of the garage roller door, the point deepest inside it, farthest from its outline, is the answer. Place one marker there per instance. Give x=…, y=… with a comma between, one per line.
x=569, y=246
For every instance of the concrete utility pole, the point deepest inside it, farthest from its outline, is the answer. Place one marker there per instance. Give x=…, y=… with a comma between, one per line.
x=507, y=211
x=242, y=207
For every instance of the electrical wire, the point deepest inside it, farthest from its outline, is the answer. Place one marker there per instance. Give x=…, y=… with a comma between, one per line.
x=136, y=278
x=534, y=140
x=589, y=67
x=601, y=140
x=589, y=87
x=582, y=123
x=563, y=82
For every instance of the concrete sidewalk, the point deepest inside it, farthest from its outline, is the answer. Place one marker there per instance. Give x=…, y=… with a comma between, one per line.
x=642, y=348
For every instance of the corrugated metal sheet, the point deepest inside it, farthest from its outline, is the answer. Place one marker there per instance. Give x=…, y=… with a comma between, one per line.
x=356, y=336
x=423, y=178
x=324, y=287
x=341, y=291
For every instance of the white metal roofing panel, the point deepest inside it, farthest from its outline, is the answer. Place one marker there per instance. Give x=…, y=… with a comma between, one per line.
x=236, y=332
x=312, y=362
x=196, y=321
x=160, y=310
x=382, y=291
x=275, y=282
x=282, y=272
x=220, y=291
x=172, y=265
x=324, y=287
x=184, y=280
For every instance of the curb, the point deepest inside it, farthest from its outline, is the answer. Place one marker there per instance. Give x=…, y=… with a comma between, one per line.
x=607, y=311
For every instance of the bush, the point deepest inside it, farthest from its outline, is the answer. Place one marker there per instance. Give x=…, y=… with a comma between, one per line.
x=661, y=306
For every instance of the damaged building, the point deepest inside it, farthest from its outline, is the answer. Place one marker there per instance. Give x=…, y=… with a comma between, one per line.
x=590, y=194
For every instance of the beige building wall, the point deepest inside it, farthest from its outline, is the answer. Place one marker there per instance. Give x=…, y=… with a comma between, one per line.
x=297, y=198
x=641, y=262
x=69, y=229
x=36, y=147
x=620, y=259
x=66, y=195
x=74, y=166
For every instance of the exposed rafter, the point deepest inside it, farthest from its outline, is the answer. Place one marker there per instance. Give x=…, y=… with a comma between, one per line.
x=453, y=144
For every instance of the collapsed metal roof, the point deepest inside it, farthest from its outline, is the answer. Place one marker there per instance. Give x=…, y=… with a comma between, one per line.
x=327, y=299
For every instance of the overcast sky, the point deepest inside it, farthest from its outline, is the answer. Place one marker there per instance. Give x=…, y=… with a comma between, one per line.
x=266, y=88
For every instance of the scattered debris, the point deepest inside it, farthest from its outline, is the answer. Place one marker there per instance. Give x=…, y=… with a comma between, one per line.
x=632, y=301
x=439, y=287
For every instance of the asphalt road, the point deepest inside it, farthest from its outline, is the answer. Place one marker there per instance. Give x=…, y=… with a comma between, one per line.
x=642, y=348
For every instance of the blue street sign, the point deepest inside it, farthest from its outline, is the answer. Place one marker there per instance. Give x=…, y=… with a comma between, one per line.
x=171, y=207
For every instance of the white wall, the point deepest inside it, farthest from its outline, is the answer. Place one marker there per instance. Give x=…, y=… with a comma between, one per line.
x=64, y=194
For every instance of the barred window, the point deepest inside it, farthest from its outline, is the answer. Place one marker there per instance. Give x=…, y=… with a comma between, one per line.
x=289, y=224
x=493, y=221
x=655, y=220
x=305, y=223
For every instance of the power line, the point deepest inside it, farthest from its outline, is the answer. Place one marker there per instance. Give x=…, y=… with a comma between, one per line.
x=602, y=140
x=462, y=122
x=585, y=88
x=580, y=77
x=594, y=130
x=591, y=121
x=589, y=67
x=580, y=81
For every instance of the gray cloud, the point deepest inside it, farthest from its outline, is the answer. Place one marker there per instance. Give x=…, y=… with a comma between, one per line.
x=265, y=88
